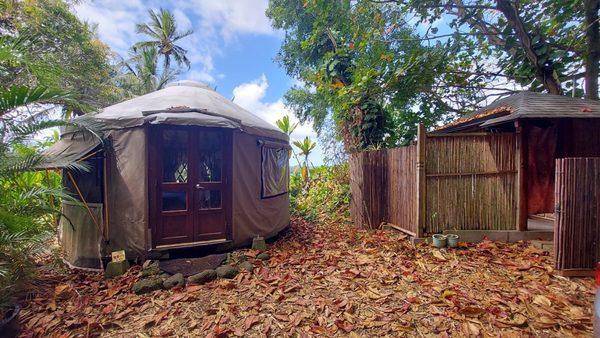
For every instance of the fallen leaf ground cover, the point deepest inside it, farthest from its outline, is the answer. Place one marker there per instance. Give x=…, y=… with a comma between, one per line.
x=331, y=280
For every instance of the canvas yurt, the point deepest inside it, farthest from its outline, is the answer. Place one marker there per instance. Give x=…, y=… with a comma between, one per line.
x=176, y=168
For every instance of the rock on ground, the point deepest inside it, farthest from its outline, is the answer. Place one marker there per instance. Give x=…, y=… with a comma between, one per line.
x=247, y=266
x=227, y=271
x=176, y=280
x=114, y=269
x=263, y=256
x=147, y=285
x=203, y=277
x=151, y=270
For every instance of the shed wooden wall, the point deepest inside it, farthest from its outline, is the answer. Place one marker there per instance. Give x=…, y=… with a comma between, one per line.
x=549, y=139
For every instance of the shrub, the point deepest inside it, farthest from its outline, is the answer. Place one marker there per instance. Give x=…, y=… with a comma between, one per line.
x=326, y=196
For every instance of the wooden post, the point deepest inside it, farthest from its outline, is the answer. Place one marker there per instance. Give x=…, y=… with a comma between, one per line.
x=105, y=168
x=421, y=181
x=522, y=208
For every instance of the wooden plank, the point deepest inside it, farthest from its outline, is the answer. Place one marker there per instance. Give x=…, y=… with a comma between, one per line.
x=399, y=228
x=459, y=134
x=576, y=273
x=483, y=173
x=421, y=181
x=521, y=153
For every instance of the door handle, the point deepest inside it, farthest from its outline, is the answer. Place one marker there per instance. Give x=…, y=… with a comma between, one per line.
x=198, y=186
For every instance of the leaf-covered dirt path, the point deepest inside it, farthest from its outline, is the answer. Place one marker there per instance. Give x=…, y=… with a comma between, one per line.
x=332, y=280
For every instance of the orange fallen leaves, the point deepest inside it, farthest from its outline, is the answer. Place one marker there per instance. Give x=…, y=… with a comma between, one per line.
x=332, y=280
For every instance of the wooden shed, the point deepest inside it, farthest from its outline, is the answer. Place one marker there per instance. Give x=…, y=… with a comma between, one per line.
x=547, y=127
x=491, y=173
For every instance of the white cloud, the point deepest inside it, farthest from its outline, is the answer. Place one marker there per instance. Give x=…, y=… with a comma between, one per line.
x=202, y=76
x=250, y=95
x=232, y=17
x=214, y=24
x=116, y=20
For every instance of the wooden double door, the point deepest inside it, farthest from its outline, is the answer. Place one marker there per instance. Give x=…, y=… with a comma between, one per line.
x=190, y=185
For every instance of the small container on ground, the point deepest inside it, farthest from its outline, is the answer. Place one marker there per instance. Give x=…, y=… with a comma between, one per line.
x=452, y=240
x=439, y=240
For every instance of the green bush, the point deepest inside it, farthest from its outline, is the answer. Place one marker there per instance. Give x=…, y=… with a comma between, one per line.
x=325, y=197
x=28, y=209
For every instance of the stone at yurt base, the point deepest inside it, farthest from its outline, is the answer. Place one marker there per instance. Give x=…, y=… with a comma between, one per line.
x=258, y=243
x=114, y=269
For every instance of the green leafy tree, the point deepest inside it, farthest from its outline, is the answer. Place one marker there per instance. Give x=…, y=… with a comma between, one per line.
x=360, y=66
x=542, y=45
x=164, y=35
x=44, y=44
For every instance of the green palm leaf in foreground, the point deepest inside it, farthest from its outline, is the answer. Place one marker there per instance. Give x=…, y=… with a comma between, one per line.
x=20, y=96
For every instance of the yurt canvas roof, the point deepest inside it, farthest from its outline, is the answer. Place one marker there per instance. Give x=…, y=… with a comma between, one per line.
x=186, y=103
x=180, y=103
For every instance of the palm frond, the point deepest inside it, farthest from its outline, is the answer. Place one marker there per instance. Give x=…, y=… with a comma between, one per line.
x=19, y=96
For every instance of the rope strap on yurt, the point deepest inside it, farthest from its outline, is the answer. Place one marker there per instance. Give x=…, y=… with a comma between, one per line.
x=85, y=204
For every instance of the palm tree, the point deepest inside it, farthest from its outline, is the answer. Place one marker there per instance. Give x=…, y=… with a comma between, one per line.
x=163, y=34
x=285, y=125
x=142, y=74
x=24, y=208
x=306, y=147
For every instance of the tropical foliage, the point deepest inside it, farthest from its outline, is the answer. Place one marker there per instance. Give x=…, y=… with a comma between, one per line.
x=541, y=45
x=143, y=74
x=28, y=200
x=163, y=37
x=285, y=125
x=44, y=44
x=327, y=198
x=381, y=67
x=306, y=146
x=50, y=65
x=357, y=63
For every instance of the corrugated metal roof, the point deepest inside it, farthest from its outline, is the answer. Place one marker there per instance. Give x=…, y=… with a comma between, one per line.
x=524, y=105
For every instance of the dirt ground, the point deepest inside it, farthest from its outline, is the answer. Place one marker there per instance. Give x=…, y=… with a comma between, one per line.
x=331, y=280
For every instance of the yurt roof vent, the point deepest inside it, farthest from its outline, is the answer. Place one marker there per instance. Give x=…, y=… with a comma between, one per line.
x=188, y=83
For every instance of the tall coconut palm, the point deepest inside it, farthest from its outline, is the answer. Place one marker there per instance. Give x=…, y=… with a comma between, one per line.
x=163, y=34
x=305, y=147
x=142, y=73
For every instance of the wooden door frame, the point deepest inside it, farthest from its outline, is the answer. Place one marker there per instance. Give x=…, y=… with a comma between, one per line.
x=154, y=208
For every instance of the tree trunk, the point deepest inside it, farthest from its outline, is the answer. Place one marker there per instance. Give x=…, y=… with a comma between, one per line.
x=592, y=57
x=545, y=73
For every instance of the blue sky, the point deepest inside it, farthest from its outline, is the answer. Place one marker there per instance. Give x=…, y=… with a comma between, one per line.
x=232, y=48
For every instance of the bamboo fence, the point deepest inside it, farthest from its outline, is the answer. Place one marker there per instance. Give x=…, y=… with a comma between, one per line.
x=577, y=194
x=445, y=181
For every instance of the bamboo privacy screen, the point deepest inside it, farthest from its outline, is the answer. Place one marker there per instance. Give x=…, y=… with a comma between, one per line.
x=577, y=196
x=471, y=182
x=450, y=181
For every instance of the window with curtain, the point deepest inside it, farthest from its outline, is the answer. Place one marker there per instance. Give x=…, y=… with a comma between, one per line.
x=275, y=170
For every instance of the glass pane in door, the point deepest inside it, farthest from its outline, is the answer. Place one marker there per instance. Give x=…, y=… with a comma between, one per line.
x=174, y=200
x=210, y=199
x=174, y=156
x=210, y=156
